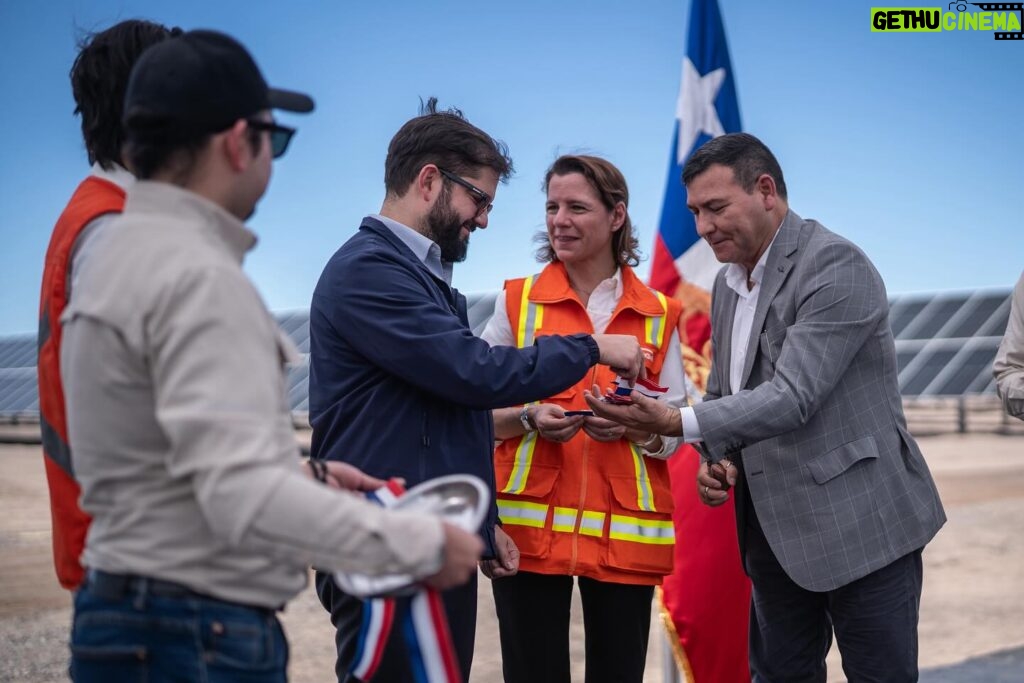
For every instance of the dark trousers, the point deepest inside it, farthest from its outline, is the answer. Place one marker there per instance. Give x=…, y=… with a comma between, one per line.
x=874, y=618
x=347, y=617
x=533, y=621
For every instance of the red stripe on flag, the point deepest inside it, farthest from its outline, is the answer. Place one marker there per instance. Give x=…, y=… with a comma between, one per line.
x=664, y=274
x=707, y=593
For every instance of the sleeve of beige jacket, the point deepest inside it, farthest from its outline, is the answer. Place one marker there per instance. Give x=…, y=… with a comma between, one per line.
x=220, y=399
x=1009, y=364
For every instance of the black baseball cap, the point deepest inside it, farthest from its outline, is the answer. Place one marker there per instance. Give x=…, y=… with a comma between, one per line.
x=198, y=83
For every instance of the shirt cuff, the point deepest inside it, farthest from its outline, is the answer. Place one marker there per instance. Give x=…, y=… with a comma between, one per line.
x=668, y=447
x=592, y=347
x=691, y=428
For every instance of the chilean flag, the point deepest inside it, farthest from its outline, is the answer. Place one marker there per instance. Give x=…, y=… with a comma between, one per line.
x=706, y=108
x=705, y=602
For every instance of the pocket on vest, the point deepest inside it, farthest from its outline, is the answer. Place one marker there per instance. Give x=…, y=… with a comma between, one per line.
x=640, y=531
x=525, y=516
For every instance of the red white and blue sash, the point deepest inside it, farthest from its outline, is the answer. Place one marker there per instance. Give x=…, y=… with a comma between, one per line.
x=424, y=625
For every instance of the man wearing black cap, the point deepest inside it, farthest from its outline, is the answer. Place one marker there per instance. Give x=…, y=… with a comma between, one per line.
x=204, y=522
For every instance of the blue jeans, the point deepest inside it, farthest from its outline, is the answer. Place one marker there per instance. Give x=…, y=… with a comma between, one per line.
x=143, y=636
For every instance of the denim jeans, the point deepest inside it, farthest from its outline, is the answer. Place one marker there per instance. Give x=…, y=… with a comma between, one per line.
x=146, y=637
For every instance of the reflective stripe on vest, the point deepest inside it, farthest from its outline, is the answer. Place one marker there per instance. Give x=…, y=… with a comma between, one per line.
x=564, y=520
x=638, y=530
x=592, y=523
x=644, y=492
x=654, y=327
x=531, y=316
x=521, y=467
x=522, y=513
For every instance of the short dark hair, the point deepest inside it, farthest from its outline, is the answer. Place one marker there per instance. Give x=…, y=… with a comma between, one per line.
x=146, y=156
x=99, y=77
x=446, y=139
x=747, y=156
x=611, y=187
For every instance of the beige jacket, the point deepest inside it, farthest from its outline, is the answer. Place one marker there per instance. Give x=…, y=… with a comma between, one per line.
x=177, y=414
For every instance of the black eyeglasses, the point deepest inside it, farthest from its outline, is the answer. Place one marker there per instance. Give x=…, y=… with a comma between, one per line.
x=482, y=199
x=280, y=135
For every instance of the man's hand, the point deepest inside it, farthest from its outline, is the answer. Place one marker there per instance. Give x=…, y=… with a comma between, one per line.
x=507, y=562
x=622, y=353
x=711, y=490
x=341, y=475
x=642, y=415
x=461, y=553
x=552, y=424
x=600, y=429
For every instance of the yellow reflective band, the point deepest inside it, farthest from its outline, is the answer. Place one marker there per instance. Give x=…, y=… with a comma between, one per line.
x=521, y=465
x=592, y=523
x=644, y=494
x=564, y=520
x=521, y=513
x=639, y=530
x=654, y=326
x=531, y=316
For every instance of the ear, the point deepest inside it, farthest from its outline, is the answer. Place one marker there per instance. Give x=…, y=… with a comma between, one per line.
x=428, y=183
x=618, y=217
x=237, y=147
x=765, y=189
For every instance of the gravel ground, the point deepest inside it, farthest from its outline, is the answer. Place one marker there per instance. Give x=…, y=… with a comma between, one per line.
x=970, y=631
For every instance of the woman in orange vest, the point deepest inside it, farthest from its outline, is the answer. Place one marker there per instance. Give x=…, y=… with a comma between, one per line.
x=581, y=496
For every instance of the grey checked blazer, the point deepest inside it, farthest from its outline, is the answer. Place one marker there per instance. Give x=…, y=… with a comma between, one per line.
x=839, y=485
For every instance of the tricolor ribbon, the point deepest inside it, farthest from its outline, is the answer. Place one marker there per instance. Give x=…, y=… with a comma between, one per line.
x=620, y=390
x=423, y=623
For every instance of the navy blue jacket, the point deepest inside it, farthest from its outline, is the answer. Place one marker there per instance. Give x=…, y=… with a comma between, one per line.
x=398, y=384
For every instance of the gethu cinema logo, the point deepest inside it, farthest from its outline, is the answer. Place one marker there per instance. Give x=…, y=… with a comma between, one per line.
x=999, y=17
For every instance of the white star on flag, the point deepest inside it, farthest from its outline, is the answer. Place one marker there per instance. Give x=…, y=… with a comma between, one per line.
x=696, y=106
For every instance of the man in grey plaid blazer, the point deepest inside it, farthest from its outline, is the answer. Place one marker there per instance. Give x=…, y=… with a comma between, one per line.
x=835, y=501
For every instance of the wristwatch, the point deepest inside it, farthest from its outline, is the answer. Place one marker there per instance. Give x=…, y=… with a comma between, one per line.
x=524, y=417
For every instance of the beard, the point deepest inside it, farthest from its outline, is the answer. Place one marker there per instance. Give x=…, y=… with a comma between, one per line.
x=443, y=226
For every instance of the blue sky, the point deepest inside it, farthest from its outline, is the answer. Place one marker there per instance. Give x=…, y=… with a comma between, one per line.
x=908, y=144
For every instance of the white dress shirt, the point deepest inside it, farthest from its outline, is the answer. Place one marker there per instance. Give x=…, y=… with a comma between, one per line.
x=737, y=280
x=425, y=249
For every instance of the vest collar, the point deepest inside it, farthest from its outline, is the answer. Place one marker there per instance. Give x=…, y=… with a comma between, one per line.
x=552, y=286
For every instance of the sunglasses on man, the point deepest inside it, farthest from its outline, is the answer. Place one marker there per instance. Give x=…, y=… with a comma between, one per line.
x=280, y=135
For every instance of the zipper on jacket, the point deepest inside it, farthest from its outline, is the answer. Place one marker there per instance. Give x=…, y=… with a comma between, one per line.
x=424, y=434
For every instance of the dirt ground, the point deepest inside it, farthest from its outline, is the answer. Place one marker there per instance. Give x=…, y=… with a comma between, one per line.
x=972, y=602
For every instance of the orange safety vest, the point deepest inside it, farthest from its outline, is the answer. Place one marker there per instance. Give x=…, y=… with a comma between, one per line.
x=93, y=198
x=586, y=508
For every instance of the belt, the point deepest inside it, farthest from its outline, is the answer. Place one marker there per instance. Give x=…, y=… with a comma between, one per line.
x=119, y=586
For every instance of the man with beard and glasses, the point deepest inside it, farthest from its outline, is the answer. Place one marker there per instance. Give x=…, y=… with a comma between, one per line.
x=398, y=384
